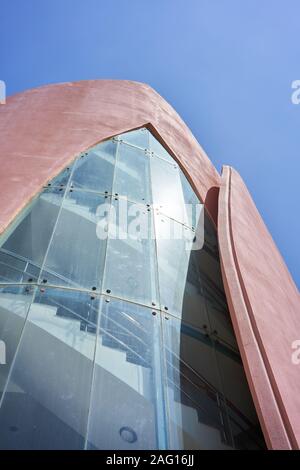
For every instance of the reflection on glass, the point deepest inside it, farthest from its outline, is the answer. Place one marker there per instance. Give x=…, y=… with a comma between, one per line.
x=166, y=190
x=130, y=269
x=76, y=253
x=124, y=411
x=192, y=203
x=173, y=243
x=132, y=177
x=94, y=170
x=23, y=252
x=159, y=150
x=139, y=138
x=188, y=193
x=47, y=399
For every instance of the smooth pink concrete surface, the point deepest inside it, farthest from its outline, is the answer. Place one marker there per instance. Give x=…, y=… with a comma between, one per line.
x=43, y=129
x=264, y=304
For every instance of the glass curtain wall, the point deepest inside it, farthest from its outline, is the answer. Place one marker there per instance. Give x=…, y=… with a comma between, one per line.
x=117, y=333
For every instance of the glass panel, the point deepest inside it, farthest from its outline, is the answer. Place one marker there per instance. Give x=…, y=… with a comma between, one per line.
x=188, y=193
x=246, y=435
x=140, y=138
x=95, y=169
x=130, y=270
x=159, y=150
x=194, y=208
x=63, y=178
x=14, y=304
x=12, y=269
x=15, y=270
x=76, y=254
x=210, y=273
x=126, y=405
x=29, y=241
x=132, y=177
x=163, y=256
x=196, y=419
x=174, y=242
x=166, y=190
x=243, y=418
x=193, y=303
x=47, y=399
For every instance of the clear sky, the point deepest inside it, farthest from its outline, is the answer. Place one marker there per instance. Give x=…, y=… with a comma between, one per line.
x=225, y=65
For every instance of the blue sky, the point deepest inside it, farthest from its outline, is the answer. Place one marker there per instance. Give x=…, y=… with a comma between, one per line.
x=225, y=66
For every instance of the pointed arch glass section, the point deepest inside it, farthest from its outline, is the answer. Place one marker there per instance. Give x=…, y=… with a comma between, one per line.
x=113, y=313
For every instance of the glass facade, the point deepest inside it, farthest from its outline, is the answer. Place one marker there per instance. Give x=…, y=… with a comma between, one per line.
x=113, y=313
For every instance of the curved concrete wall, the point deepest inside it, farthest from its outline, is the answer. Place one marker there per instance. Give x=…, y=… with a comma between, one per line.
x=43, y=129
x=265, y=309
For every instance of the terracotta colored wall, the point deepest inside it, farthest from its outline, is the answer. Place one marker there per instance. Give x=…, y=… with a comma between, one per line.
x=43, y=129
x=265, y=308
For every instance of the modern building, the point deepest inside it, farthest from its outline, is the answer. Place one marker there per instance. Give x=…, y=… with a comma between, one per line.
x=143, y=302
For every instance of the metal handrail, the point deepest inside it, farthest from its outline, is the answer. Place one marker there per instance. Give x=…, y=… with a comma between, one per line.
x=210, y=387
